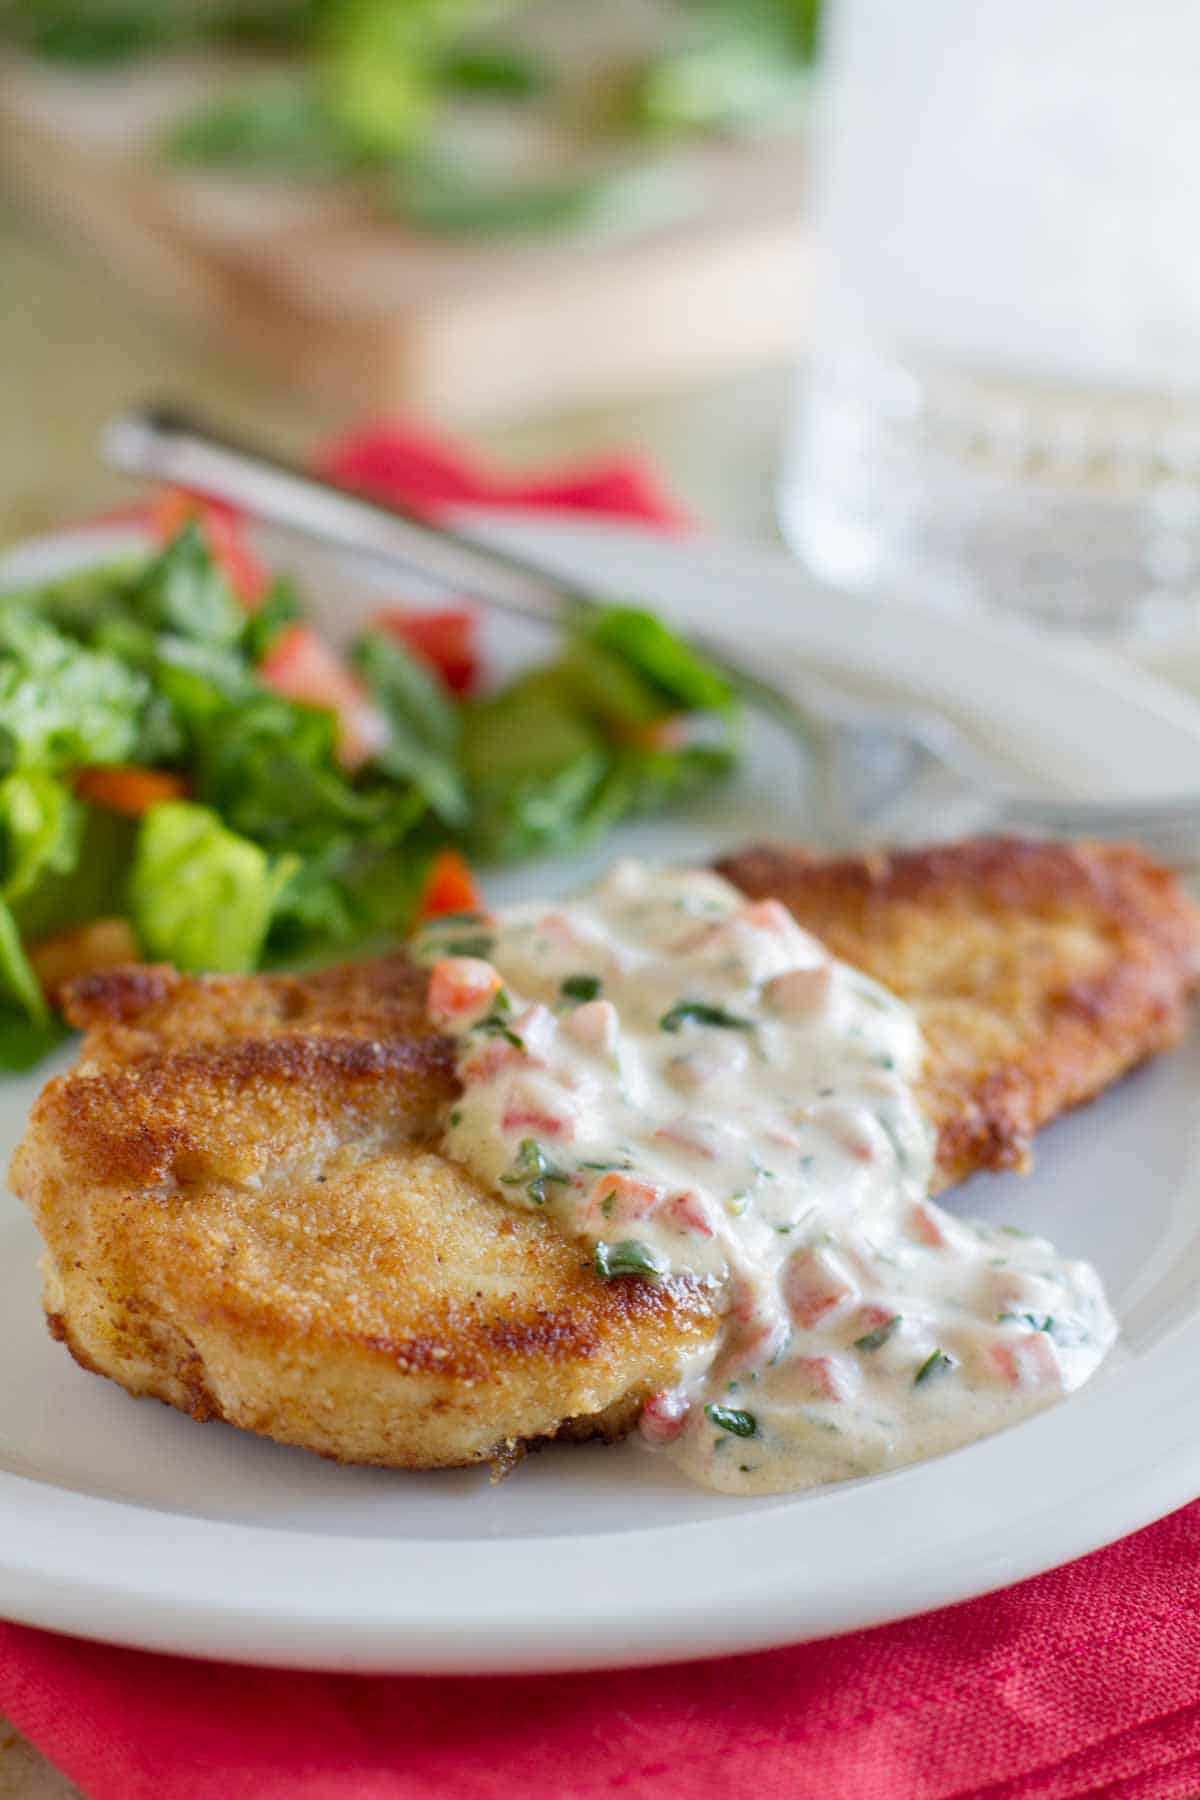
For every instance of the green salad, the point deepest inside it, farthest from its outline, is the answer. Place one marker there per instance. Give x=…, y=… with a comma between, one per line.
x=198, y=771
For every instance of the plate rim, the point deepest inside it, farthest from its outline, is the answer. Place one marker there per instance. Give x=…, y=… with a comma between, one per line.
x=53, y=1541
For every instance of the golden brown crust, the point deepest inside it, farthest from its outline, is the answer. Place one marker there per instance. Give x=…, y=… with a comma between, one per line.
x=1040, y=971
x=245, y=1215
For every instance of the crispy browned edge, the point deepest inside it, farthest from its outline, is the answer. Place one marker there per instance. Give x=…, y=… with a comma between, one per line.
x=1091, y=1032
x=343, y=1034
x=1087, y=1032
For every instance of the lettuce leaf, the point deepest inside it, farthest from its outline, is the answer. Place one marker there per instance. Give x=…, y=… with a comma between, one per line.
x=18, y=983
x=563, y=754
x=201, y=896
x=684, y=680
x=425, y=725
x=40, y=828
x=184, y=591
x=60, y=703
x=95, y=884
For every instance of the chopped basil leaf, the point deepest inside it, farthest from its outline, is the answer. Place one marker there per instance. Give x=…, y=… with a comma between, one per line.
x=533, y=1169
x=495, y=1027
x=581, y=987
x=700, y=1012
x=1067, y=1335
x=495, y=1024
x=627, y=1258
x=613, y=1164
x=936, y=1363
x=733, y=1419
x=875, y=1340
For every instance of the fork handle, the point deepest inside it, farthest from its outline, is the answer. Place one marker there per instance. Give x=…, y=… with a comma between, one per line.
x=163, y=444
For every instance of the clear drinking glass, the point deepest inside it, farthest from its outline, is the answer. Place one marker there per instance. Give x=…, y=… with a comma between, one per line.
x=1002, y=403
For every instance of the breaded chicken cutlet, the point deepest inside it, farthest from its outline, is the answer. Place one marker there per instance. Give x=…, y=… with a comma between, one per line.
x=246, y=1213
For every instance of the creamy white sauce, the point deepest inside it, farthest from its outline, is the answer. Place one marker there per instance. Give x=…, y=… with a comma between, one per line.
x=687, y=1079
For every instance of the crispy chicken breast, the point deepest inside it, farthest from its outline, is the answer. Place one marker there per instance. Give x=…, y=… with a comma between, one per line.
x=1040, y=972
x=246, y=1213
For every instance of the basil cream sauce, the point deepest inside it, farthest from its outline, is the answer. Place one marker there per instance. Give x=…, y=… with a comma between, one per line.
x=688, y=1081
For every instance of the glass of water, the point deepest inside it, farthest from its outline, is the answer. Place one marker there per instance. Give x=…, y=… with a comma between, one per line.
x=1002, y=405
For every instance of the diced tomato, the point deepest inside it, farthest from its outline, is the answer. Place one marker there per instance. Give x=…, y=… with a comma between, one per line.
x=449, y=887
x=850, y=1127
x=689, y=1212
x=870, y=1318
x=690, y=1135
x=223, y=530
x=461, y=988
x=619, y=1199
x=1030, y=1361
x=563, y=931
x=928, y=1223
x=595, y=1025
x=300, y=665
x=799, y=993
x=486, y=1062
x=446, y=640
x=761, y=1330
x=767, y=915
x=817, y=1286
x=128, y=788
x=664, y=1416
x=531, y=1118
x=816, y=1378
x=538, y=1104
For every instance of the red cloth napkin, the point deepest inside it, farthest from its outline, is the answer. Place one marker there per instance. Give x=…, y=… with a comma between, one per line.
x=1085, y=1681
x=426, y=474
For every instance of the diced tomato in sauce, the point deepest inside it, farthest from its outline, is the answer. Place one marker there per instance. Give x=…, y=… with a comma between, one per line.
x=664, y=1417
x=816, y=1378
x=1030, y=1361
x=817, y=1286
x=461, y=988
x=619, y=1199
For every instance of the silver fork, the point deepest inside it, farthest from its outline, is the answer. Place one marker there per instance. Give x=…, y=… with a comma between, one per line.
x=883, y=773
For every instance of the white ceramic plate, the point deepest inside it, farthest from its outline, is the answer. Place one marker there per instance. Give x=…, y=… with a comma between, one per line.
x=128, y=1522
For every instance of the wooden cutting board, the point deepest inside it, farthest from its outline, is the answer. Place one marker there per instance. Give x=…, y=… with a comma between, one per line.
x=340, y=301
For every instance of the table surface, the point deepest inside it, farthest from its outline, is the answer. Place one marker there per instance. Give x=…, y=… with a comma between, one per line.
x=75, y=348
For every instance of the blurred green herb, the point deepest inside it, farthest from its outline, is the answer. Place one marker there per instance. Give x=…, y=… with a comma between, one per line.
x=374, y=85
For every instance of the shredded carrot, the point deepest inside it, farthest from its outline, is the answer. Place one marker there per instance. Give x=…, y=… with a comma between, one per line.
x=449, y=887
x=127, y=788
